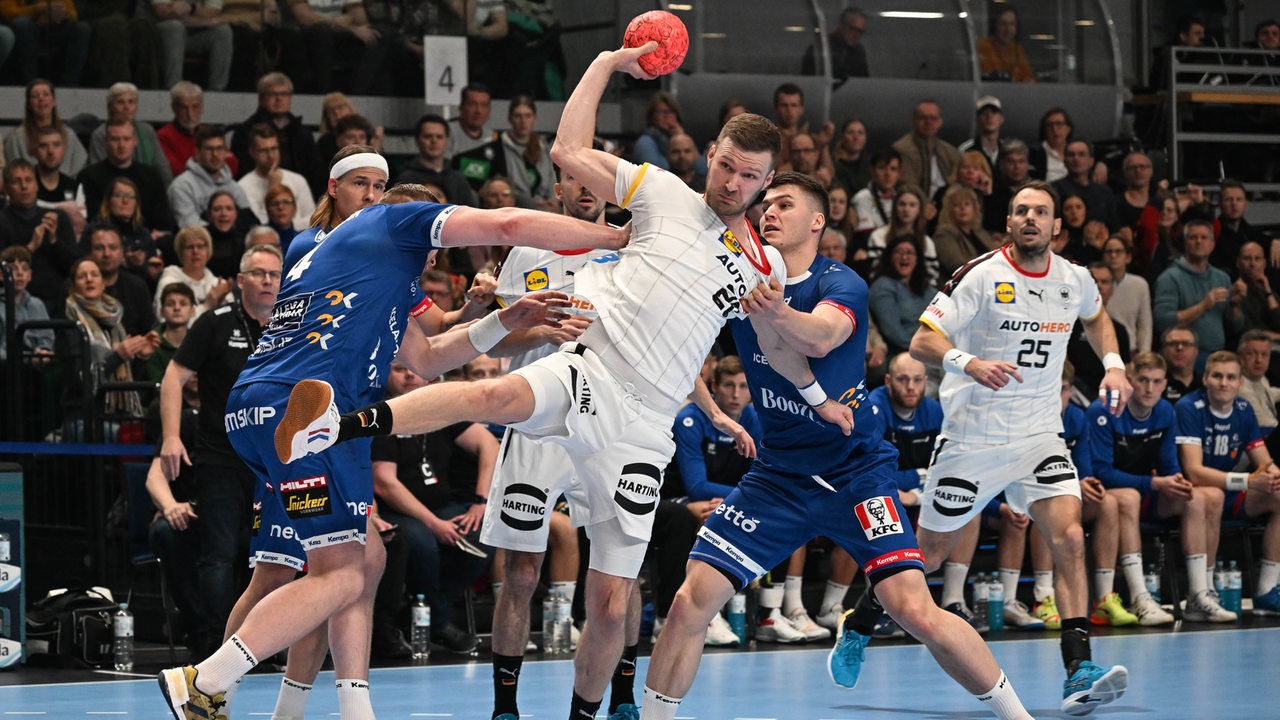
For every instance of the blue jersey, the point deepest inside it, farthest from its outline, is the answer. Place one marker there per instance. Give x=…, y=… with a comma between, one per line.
x=707, y=463
x=1127, y=450
x=1075, y=433
x=1222, y=439
x=301, y=244
x=345, y=304
x=796, y=440
x=914, y=438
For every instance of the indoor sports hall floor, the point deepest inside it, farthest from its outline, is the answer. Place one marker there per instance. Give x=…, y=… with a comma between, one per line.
x=1193, y=673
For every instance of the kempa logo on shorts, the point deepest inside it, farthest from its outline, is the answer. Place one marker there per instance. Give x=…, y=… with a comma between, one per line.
x=519, y=513
x=878, y=517
x=637, y=491
x=1054, y=469
x=954, y=497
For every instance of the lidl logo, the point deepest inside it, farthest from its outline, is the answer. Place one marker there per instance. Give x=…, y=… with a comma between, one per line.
x=731, y=242
x=1005, y=293
x=535, y=280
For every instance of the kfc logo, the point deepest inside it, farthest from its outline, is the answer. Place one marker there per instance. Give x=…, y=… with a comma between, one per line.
x=878, y=517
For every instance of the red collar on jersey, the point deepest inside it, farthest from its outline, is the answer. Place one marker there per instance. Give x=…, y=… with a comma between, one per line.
x=571, y=253
x=763, y=266
x=1019, y=268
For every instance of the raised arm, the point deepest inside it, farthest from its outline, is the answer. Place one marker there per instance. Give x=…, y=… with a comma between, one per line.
x=534, y=228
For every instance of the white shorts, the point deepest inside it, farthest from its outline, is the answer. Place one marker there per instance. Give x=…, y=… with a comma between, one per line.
x=964, y=477
x=618, y=448
x=530, y=476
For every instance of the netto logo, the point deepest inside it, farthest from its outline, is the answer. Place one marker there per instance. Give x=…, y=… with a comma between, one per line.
x=1005, y=294
x=735, y=516
x=536, y=280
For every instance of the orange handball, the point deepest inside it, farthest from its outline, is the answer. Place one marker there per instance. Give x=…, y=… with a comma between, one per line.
x=670, y=34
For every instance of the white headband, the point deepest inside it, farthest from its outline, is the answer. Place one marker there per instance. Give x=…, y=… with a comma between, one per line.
x=359, y=160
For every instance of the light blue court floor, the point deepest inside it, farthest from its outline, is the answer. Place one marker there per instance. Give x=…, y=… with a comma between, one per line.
x=1219, y=675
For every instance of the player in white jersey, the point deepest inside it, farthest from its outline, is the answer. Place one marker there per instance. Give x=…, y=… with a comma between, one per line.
x=611, y=397
x=1013, y=309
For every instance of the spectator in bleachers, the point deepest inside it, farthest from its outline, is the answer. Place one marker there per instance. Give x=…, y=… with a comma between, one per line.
x=261, y=235
x=873, y=204
x=121, y=161
x=111, y=348
x=528, y=160
x=1135, y=203
x=283, y=216
x=1253, y=304
x=1099, y=199
x=57, y=189
x=1189, y=32
x=264, y=148
x=842, y=217
x=53, y=25
x=788, y=115
x=1000, y=55
x=927, y=160
x=662, y=122
x=194, y=27
x=848, y=56
x=851, y=160
x=26, y=307
x=1194, y=293
x=206, y=173
x=7, y=41
x=228, y=227
x=106, y=247
x=900, y=292
x=803, y=159
x=1069, y=241
x=1048, y=161
x=1254, y=352
x=1215, y=428
x=1230, y=229
x=473, y=124
x=297, y=148
x=124, y=45
x=1012, y=170
x=331, y=39
x=42, y=111
x=46, y=234
x=908, y=219
x=971, y=172
x=121, y=209
x=1164, y=241
x=960, y=236
x=334, y=107
x=194, y=246
x=122, y=104
x=1088, y=367
x=1130, y=303
x=1178, y=347
x=432, y=166
x=353, y=129
x=988, y=141
x=178, y=136
x=682, y=161
x=833, y=245
x=487, y=44
x=177, y=310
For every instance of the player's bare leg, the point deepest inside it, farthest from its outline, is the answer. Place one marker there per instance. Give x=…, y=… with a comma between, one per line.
x=604, y=634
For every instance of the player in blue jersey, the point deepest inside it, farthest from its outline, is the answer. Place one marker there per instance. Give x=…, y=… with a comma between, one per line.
x=1215, y=427
x=1136, y=458
x=809, y=478
x=344, y=311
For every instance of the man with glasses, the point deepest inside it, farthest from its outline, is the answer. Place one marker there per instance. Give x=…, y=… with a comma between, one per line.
x=1178, y=348
x=206, y=174
x=848, y=55
x=297, y=147
x=264, y=147
x=96, y=179
x=1193, y=292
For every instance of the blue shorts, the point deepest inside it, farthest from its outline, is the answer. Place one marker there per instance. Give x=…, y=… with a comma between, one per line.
x=325, y=498
x=273, y=539
x=770, y=514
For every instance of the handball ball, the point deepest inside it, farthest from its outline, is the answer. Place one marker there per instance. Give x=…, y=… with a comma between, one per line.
x=670, y=34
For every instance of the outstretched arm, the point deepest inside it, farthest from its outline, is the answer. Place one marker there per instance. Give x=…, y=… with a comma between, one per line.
x=790, y=364
x=534, y=228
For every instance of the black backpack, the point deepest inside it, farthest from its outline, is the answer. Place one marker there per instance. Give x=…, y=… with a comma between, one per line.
x=71, y=629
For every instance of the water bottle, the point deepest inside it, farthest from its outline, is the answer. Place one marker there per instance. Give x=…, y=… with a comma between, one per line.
x=549, y=622
x=1219, y=579
x=737, y=615
x=420, y=633
x=981, y=594
x=564, y=625
x=1235, y=589
x=122, y=631
x=995, y=604
x=1152, y=581
x=4, y=547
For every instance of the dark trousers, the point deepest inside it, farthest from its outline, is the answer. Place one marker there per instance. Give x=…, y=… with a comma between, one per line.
x=225, y=506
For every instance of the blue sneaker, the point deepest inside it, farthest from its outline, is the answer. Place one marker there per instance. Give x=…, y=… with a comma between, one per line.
x=1091, y=686
x=845, y=661
x=887, y=629
x=625, y=711
x=1267, y=603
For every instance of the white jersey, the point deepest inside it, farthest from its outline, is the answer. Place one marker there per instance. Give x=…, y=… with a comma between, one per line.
x=528, y=269
x=674, y=285
x=997, y=311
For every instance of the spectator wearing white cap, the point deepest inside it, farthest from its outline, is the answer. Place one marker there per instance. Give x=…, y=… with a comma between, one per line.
x=990, y=120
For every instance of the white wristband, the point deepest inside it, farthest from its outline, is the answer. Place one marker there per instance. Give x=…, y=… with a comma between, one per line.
x=813, y=393
x=955, y=361
x=1112, y=361
x=486, y=332
x=1237, y=481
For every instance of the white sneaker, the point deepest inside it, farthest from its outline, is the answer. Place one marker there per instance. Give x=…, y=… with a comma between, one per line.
x=310, y=422
x=801, y=621
x=1149, y=611
x=776, y=628
x=1204, y=608
x=1018, y=617
x=831, y=618
x=719, y=634
x=574, y=634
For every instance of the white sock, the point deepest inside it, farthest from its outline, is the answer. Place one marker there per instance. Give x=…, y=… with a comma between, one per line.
x=657, y=706
x=291, y=703
x=791, y=600
x=1104, y=580
x=1003, y=701
x=1009, y=579
x=566, y=588
x=1131, y=568
x=953, y=577
x=833, y=596
x=1043, y=587
x=1268, y=576
x=227, y=664
x=353, y=700
x=1196, y=580
x=769, y=598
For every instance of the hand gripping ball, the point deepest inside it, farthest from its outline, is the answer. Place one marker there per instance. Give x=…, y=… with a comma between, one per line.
x=670, y=34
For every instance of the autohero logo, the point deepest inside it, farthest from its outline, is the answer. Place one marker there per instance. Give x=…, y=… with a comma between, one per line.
x=524, y=507
x=306, y=497
x=737, y=518
x=878, y=517
x=288, y=313
x=954, y=497
x=637, y=491
x=245, y=417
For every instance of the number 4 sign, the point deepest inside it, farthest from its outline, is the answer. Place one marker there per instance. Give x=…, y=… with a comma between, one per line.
x=444, y=59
